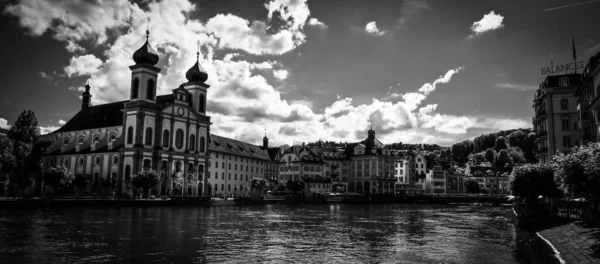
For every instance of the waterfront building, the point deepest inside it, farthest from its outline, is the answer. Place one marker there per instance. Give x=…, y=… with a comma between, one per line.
x=555, y=118
x=167, y=134
x=336, y=166
x=233, y=164
x=435, y=180
x=405, y=170
x=272, y=165
x=493, y=179
x=588, y=103
x=455, y=182
x=301, y=163
x=372, y=166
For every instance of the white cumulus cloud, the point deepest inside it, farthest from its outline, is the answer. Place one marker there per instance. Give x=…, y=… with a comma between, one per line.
x=371, y=28
x=83, y=65
x=489, y=22
x=280, y=74
x=4, y=123
x=62, y=122
x=316, y=23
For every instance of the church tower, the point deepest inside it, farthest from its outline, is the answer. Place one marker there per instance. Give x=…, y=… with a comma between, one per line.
x=196, y=85
x=144, y=74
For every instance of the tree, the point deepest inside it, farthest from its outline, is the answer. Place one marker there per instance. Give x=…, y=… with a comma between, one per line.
x=295, y=186
x=258, y=184
x=578, y=173
x=7, y=158
x=58, y=177
x=490, y=154
x=471, y=186
x=444, y=159
x=517, y=156
x=503, y=159
x=500, y=143
x=476, y=158
x=145, y=180
x=24, y=133
x=80, y=181
x=110, y=183
x=177, y=183
x=532, y=180
x=461, y=151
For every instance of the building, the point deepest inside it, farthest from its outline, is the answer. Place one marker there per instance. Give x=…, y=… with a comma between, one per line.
x=455, y=182
x=167, y=134
x=435, y=181
x=233, y=164
x=301, y=163
x=372, y=166
x=336, y=166
x=588, y=103
x=492, y=179
x=556, y=120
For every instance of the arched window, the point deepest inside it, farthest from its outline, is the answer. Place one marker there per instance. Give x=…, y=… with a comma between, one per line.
x=202, y=104
x=135, y=88
x=148, y=141
x=147, y=164
x=115, y=160
x=127, y=173
x=564, y=104
x=80, y=141
x=130, y=135
x=65, y=141
x=80, y=161
x=95, y=140
x=150, y=90
x=112, y=138
x=97, y=160
x=179, y=138
x=166, y=138
x=202, y=144
x=192, y=142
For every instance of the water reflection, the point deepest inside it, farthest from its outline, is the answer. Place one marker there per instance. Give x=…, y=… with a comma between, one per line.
x=271, y=234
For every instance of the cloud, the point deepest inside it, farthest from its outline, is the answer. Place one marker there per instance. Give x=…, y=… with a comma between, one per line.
x=62, y=122
x=429, y=87
x=47, y=129
x=489, y=22
x=316, y=23
x=518, y=87
x=280, y=74
x=371, y=28
x=83, y=65
x=4, y=123
x=411, y=8
x=45, y=76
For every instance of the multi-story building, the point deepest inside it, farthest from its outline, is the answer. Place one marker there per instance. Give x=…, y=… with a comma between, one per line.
x=371, y=166
x=166, y=133
x=301, y=163
x=233, y=164
x=435, y=181
x=406, y=172
x=556, y=119
x=490, y=178
x=588, y=103
x=455, y=182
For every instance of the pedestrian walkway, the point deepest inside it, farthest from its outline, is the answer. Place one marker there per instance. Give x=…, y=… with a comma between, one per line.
x=577, y=244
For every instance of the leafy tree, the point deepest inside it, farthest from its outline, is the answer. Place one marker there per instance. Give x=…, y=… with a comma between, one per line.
x=58, y=177
x=500, y=143
x=295, y=186
x=516, y=154
x=21, y=179
x=477, y=158
x=145, y=180
x=177, y=183
x=7, y=158
x=24, y=133
x=461, y=151
x=258, y=184
x=471, y=186
x=109, y=183
x=490, y=154
x=444, y=159
x=81, y=181
x=503, y=159
x=578, y=173
x=280, y=187
x=532, y=180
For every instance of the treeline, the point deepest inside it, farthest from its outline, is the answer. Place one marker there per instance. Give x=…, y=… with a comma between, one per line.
x=408, y=146
x=519, y=144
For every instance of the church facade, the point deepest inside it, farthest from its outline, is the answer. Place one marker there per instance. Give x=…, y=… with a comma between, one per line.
x=167, y=134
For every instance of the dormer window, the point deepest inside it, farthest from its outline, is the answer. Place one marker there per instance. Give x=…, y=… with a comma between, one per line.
x=95, y=140
x=564, y=81
x=80, y=141
x=112, y=138
x=65, y=141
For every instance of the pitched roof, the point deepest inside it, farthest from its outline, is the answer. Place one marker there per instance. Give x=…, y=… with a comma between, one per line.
x=236, y=147
x=554, y=80
x=105, y=115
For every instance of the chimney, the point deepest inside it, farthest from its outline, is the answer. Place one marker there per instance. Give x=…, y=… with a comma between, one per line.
x=86, y=97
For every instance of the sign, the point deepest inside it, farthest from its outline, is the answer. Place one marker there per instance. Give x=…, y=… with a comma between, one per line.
x=563, y=68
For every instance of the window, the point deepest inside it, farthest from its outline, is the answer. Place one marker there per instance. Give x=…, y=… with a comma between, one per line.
x=565, y=124
x=80, y=141
x=112, y=138
x=97, y=160
x=147, y=164
x=127, y=172
x=564, y=104
x=80, y=161
x=575, y=126
x=115, y=160
x=165, y=142
x=202, y=145
x=564, y=81
x=148, y=137
x=96, y=179
x=66, y=162
x=179, y=138
x=150, y=90
x=192, y=142
x=65, y=141
x=201, y=104
x=95, y=140
x=566, y=141
x=222, y=175
x=135, y=88
x=130, y=135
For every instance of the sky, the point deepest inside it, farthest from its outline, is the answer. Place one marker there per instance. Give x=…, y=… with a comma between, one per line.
x=417, y=71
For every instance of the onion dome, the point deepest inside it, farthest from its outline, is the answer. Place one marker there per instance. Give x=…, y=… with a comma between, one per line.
x=196, y=73
x=146, y=54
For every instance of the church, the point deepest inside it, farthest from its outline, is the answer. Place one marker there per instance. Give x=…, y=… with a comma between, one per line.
x=167, y=134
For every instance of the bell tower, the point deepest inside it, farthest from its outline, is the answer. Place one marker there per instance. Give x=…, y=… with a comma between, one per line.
x=196, y=85
x=144, y=74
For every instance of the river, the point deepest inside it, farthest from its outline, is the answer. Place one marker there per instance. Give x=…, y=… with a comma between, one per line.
x=263, y=233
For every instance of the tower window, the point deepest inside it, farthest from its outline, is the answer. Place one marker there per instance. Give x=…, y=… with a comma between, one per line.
x=127, y=173
x=165, y=138
x=97, y=160
x=96, y=139
x=112, y=138
x=150, y=90
x=564, y=81
x=130, y=135
x=135, y=88
x=564, y=104
x=202, y=144
x=115, y=160
x=148, y=141
x=202, y=104
x=179, y=138
x=192, y=142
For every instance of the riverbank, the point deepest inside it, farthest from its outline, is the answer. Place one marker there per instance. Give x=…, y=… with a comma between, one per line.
x=576, y=243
